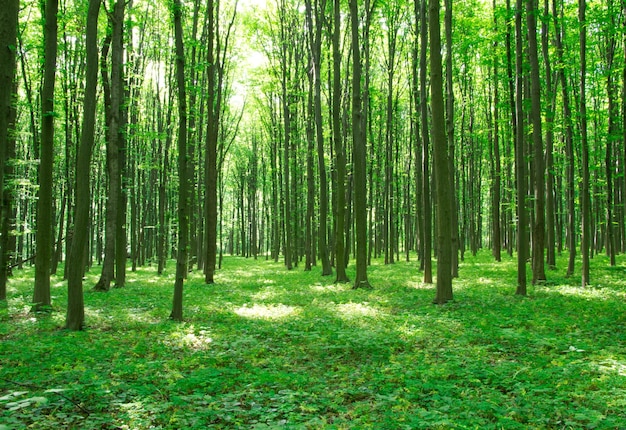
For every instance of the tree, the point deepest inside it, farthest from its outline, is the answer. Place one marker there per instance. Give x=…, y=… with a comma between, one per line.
x=41, y=296
x=183, y=188
x=569, y=140
x=358, y=155
x=426, y=208
x=8, y=42
x=210, y=166
x=340, y=156
x=8, y=47
x=315, y=41
x=538, y=263
x=497, y=167
x=454, y=218
x=441, y=162
x=586, y=209
x=76, y=263
x=520, y=155
x=114, y=136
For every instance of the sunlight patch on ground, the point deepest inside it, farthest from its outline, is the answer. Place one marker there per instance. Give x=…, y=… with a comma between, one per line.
x=333, y=288
x=266, y=294
x=356, y=309
x=592, y=293
x=411, y=331
x=267, y=311
x=189, y=339
x=419, y=285
x=611, y=365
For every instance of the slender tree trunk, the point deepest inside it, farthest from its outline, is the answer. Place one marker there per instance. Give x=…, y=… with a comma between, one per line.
x=41, y=296
x=520, y=156
x=75, y=317
x=538, y=262
x=340, y=156
x=310, y=180
x=586, y=209
x=8, y=43
x=441, y=162
x=454, y=217
x=358, y=155
x=183, y=190
x=210, y=166
x=550, y=109
x=316, y=49
x=427, y=207
x=112, y=151
x=612, y=135
x=7, y=207
x=569, y=141
x=415, y=65
x=497, y=178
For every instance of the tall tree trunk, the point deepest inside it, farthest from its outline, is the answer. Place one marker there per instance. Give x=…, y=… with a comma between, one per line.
x=183, y=190
x=75, y=317
x=41, y=296
x=415, y=64
x=112, y=150
x=310, y=179
x=316, y=50
x=340, y=155
x=497, y=177
x=538, y=262
x=520, y=155
x=586, y=203
x=8, y=43
x=550, y=114
x=8, y=208
x=569, y=140
x=612, y=134
x=210, y=166
x=441, y=162
x=426, y=208
x=358, y=155
x=454, y=214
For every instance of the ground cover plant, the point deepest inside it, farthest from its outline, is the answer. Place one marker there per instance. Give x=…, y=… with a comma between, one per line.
x=270, y=348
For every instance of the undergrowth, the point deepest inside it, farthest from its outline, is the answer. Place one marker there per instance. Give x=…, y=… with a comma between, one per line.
x=269, y=348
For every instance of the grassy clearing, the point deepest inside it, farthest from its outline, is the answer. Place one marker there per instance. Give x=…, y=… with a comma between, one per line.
x=267, y=348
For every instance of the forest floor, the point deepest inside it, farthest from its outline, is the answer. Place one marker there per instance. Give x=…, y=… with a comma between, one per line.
x=267, y=348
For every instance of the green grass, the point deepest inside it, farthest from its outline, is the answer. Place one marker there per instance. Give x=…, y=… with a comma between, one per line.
x=268, y=348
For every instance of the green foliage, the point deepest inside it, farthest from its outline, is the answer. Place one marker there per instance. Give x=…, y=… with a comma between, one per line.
x=267, y=348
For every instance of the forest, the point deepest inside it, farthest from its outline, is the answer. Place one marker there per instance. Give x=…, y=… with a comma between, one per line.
x=166, y=166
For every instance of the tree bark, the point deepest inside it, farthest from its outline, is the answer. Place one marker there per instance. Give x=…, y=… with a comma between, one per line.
x=454, y=213
x=569, y=141
x=183, y=190
x=316, y=50
x=538, y=261
x=340, y=156
x=550, y=115
x=586, y=203
x=441, y=163
x=7, y=204
x=8, y=44
x=358, y=155
x=210, y=166
x=520, y=156
x=41, y=296
x=427, y=207
x=75, y=316
x=497, y=177
x=112, y=150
